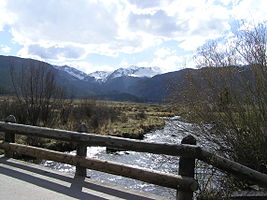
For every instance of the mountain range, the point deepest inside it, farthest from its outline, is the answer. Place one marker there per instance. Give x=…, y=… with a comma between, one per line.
x=137, y=84
x=104, y=76
x=123, y=84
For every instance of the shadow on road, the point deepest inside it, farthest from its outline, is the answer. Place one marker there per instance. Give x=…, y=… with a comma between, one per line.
x=72, y=186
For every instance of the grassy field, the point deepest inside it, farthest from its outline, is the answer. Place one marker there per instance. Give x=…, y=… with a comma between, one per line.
x=121, y=118
x=136, y=119
x=124, y=119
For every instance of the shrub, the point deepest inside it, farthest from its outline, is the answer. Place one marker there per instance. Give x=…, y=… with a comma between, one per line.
x=233, y=99
x=96, y=114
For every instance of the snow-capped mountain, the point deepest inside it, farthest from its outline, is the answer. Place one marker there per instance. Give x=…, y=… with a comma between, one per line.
x=103, y=76
x=100, y=76
x=135, y=71
x=72, y=71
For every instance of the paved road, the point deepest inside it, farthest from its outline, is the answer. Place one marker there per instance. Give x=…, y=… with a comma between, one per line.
x=21, y=180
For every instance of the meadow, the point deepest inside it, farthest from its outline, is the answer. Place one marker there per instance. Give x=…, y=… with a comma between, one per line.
x=123, y=119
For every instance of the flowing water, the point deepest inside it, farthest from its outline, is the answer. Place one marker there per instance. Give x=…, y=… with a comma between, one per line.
x=173, y=132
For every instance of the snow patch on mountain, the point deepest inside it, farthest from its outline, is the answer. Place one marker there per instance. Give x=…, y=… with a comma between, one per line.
x=103, y=76
x=100, y=76
x=135, y=71
x=72, y=71
x=146, y=72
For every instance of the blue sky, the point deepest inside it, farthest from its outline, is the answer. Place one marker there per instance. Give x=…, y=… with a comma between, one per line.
x=96, y=35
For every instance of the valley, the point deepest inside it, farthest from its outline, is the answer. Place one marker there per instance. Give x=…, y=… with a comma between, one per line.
x=114, y=73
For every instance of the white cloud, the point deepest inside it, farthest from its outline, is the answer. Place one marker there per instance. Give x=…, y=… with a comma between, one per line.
x=123, y=64
x=158, y=23
x=169, y=63
x=5, y=16
x=54, y=52
x=193, y=43
x=146, y=3
x=99, y=27
x=163, y=52
x=190, y=22
x=5, y=49
x=82, y=21
x=93, y=25
x=250, y=10
x=115, y=25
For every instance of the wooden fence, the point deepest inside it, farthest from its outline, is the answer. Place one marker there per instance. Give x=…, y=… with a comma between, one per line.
x=183, y=182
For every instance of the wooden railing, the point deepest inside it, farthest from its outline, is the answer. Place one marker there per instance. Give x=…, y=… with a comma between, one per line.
x=183, y=182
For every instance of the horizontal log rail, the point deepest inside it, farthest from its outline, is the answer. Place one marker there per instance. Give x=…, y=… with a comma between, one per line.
x=150, y=176
x=185, y=183
x=101, y=140
x=233, y=168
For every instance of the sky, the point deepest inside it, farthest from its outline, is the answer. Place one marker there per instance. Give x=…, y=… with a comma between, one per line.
x=97, y=35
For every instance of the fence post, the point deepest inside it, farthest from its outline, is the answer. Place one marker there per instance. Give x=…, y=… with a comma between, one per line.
x=186, y=168
x=10, y=137
x=81, y=151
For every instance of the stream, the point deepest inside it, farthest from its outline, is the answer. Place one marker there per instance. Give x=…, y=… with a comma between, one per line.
x=173, y=132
